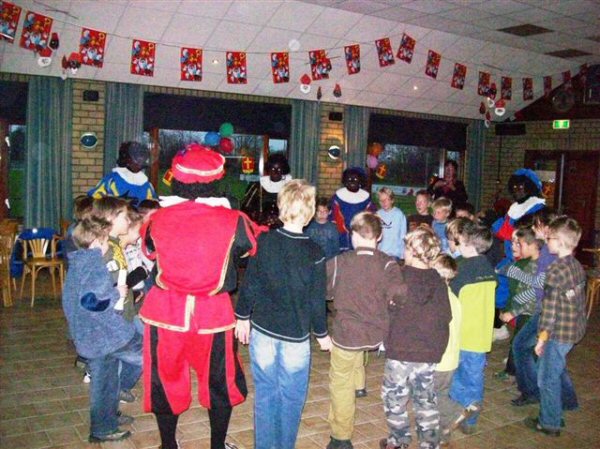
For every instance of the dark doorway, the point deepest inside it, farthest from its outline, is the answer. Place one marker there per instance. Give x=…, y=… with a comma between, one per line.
x=574, y=190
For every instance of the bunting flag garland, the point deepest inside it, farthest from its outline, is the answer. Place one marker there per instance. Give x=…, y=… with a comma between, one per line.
x=506, y=88
x=458, y=78
x=91, y=47
x=280, y=67
x=527, y=89
x=547, y=86
x=9, y=18
x=406, y=49
x=483, y=86
x=142, y=57
x=190, y=60
x=236, y=67
x=320, y=64
x=384, y=52
x=36, y=31
x=352, y=53
x=433, y=64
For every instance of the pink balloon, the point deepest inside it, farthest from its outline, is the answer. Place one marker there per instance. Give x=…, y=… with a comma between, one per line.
x=372, y=162
x=226, y=145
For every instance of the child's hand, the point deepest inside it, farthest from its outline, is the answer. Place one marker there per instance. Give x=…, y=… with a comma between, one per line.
x=242, y=331
x=122, y=290
x=139, y=297
x=506, y=317
x=539, y=348
x=325, y=343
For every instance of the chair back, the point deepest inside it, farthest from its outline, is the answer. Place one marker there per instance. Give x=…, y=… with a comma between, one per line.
x=39, y=243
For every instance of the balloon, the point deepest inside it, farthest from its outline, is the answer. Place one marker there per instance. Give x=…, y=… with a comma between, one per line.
x=372, y=162
x=226, y=144
x=212, y=139
x=226, y=129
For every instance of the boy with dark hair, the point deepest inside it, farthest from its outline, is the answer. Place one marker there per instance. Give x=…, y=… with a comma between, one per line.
x=101, y=335
x=358, y=283
x=475, y=286
x=322, y=231
x=562, y=324
x=466, y=210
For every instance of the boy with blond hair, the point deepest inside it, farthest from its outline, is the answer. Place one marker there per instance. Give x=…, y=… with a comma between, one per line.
x=358, y=283
x=475, y=286
x=283, y=297
x=422, y=203
x=420, y=313
x=393, y=223
x=562, y=324
x=442, y=208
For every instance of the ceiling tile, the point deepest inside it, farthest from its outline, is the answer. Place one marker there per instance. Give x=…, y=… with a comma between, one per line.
x=429, y=6
x=103, y=16
x=210, y=9
x=399, y=13
x=232, y=36
x=296, y=16
x=179, y=31
x=501, y=6
x=257, y=12
x=141, y=23
x=362, y=7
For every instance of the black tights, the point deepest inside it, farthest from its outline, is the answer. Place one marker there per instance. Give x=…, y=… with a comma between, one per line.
x=219, y=423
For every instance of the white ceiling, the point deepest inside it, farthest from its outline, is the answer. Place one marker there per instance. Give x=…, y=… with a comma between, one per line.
x=462, y=31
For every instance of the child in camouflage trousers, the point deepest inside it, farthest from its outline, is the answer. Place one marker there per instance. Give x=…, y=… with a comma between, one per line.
x=420, y=311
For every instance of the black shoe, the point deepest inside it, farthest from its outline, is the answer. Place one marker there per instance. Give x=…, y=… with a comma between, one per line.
x=126, y=396
x=534, y=423
x=361, y=393
x=524, y=400
x=124, y=420
x=117, y=435
x=383, y=444
x=334, y=443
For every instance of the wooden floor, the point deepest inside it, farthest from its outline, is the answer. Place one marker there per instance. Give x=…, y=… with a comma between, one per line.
x=44, y=404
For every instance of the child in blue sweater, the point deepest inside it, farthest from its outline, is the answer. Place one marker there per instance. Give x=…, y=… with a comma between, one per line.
x=100, y=333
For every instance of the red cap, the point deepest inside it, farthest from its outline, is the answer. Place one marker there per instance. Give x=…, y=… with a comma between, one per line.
x=198, y=164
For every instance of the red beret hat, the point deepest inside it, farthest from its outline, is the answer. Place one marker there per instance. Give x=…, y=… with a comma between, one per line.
x=197, y=163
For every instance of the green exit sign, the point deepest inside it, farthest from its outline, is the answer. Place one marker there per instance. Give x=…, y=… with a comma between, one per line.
x=561, y=124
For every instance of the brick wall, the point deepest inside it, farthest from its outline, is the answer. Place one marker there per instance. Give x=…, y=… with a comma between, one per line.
x=87, y=117
x=584, y=135
x=329, y=171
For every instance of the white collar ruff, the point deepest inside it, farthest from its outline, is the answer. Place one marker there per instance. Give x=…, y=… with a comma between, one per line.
x=274, y=187
x=166, y=201
x=352, y=197
x=517, y=210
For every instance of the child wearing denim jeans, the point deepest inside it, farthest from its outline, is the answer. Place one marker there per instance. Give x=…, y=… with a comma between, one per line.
x=475, y=286
x=417, y=338
x=109, y=342
x=283, y=297
x=562, y=324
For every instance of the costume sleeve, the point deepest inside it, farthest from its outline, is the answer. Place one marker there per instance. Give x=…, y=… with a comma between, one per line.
x=103, y=188
x=317, y=298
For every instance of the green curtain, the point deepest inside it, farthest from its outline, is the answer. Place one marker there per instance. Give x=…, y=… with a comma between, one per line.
x=48, y=192
x=475, y=151
x=124, y=119
x=356, y=132
x=304, y=139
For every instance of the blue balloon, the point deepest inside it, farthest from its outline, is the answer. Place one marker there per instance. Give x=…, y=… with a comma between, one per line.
x=212, y=139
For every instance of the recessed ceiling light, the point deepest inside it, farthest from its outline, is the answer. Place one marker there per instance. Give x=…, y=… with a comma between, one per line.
x=568, y=53
x=526, y=29
x=415, y=87
x=215, y=61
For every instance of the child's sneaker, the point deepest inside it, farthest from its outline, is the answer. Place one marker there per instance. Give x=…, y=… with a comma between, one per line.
x=467, y=413
x=501, y=333
x=501, y=375
x=334, y=443
x=383, y=444
x=126, y=396
x=87, y=377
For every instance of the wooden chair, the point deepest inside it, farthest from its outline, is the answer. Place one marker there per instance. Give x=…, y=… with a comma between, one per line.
x=39, y=252
x=7, y=241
